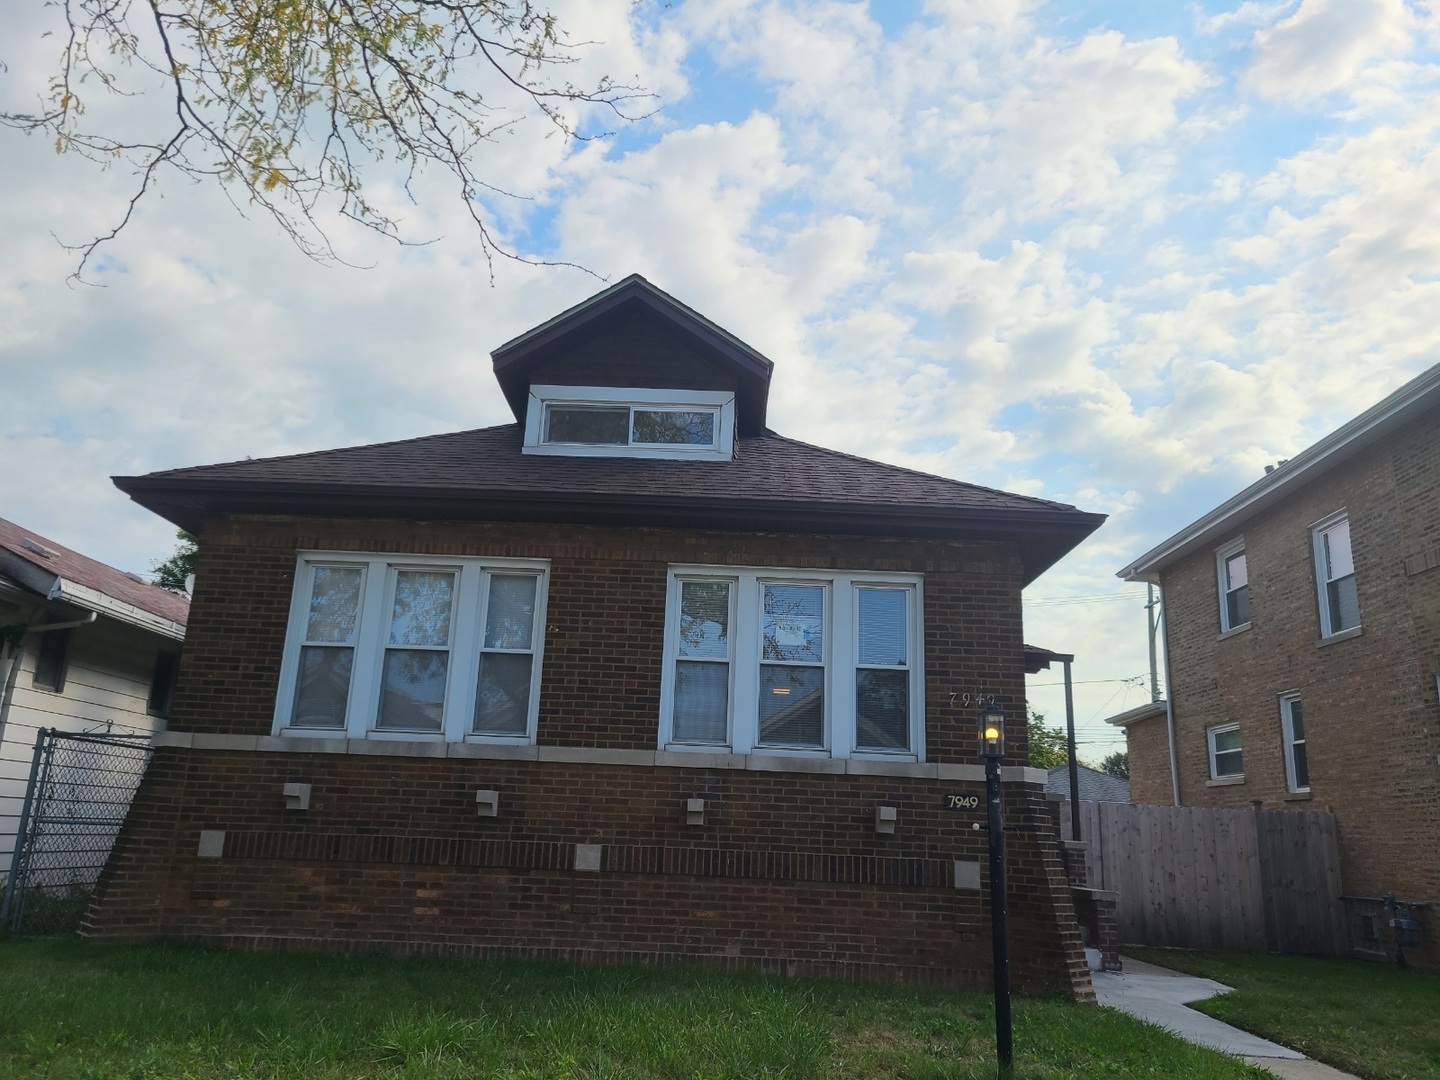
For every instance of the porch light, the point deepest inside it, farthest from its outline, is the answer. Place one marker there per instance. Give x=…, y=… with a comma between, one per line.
x=992, y=732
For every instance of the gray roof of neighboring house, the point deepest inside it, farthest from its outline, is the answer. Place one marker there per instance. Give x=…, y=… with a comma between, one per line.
x=1095, y=786
x=55, y=572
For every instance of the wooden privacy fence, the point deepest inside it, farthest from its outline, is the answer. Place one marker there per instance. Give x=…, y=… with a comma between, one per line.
x=1204, y=878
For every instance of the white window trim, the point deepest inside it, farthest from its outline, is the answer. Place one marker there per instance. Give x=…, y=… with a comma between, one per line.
x=1228, y=551
x=1322, y=591
x=1220, y=729
x=1287, y=741
x=722, y=402
x=467, y=634
x=841, y=659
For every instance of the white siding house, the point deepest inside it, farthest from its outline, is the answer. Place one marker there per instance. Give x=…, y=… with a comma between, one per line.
x=83, y=647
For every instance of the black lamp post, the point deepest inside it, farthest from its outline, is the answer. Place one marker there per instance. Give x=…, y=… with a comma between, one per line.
x=992, y=747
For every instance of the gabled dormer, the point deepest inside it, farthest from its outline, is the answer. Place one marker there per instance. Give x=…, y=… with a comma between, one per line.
x=632, y=372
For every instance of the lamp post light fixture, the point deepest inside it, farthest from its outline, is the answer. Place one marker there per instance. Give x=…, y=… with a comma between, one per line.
x=992, y=748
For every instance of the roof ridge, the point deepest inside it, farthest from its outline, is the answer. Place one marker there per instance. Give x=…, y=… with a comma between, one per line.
x=919, y=472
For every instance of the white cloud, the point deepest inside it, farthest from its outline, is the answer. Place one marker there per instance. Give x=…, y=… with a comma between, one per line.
x=1325, y=45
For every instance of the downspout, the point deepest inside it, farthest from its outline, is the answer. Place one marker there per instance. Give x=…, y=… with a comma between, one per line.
x=1169, y=698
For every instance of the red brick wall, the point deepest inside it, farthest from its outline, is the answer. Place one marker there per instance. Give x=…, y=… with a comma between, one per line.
x=1371, y=715
x=787, y=874
x=1148, y=744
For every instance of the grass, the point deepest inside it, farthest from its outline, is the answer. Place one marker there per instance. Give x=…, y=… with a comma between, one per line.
x=1365, y=1018
x=69, y=1009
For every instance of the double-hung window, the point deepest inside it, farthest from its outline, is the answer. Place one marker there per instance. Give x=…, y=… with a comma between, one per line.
x=1226, y=758
x=413, y=647
x=1335, y=575
x=1292, y=735
x=1234, y=584
x=798, y=662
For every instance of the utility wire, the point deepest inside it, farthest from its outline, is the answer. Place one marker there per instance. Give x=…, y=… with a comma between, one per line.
x=1081, y=598
x=1133, y=679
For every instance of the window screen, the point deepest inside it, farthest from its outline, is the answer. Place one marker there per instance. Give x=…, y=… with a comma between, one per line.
x=502, y=700
x=792, y=672
x=417, y=657
x=882, y=676
x=327, y=655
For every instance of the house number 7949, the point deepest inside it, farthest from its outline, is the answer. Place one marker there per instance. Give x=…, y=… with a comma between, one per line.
x=966, y=700
x=961, y=802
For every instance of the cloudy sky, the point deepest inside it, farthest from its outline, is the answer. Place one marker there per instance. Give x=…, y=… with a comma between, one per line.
x=1121, y=254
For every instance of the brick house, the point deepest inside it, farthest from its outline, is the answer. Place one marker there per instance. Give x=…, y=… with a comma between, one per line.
x=633, y=678
x=1302, y=636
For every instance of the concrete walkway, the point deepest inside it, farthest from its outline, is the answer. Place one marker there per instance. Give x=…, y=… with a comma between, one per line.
x=1159, y=996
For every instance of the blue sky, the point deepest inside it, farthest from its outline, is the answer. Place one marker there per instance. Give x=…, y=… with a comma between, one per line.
x=1117, y=254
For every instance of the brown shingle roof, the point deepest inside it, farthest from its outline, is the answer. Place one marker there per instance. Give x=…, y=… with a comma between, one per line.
x=772, y=483
x=768, y=468
x=62, y=562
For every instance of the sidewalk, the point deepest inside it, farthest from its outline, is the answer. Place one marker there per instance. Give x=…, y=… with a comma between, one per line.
x=1159, y=996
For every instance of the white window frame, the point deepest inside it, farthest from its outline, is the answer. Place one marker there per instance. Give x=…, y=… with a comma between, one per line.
x=467, y=634
x=719, y=402
x=1222, y=581
x=1322, y=582
x=1221, y=729
x=1287, y=740
x=841, y=654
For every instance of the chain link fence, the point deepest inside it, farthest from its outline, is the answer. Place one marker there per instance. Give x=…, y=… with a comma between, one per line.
x=80, y=790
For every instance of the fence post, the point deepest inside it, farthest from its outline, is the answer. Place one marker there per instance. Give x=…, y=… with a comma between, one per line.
x=1267, y=880
x=40, y=741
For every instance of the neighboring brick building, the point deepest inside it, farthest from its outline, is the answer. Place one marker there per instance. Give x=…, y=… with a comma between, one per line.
x=1303, y=641
x=634, y=678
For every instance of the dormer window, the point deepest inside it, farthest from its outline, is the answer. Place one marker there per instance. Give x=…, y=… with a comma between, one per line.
x=608, y=421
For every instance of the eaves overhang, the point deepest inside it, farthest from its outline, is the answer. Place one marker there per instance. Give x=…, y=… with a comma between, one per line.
x=53, y=588
x=514, y=360
x=1412, y=400
x=1149, y=711
x=1043, y=536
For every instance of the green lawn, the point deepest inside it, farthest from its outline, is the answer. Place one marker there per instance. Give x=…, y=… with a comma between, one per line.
x=1369, y=1019
x=69, y=1009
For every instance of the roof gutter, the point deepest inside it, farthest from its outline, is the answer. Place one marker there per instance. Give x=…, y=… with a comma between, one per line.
x=83, y=596
x=53, y=587
x=1415, y=397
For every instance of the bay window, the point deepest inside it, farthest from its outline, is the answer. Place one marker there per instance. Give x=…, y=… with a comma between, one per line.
x=793, y=662
x=412, y=647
